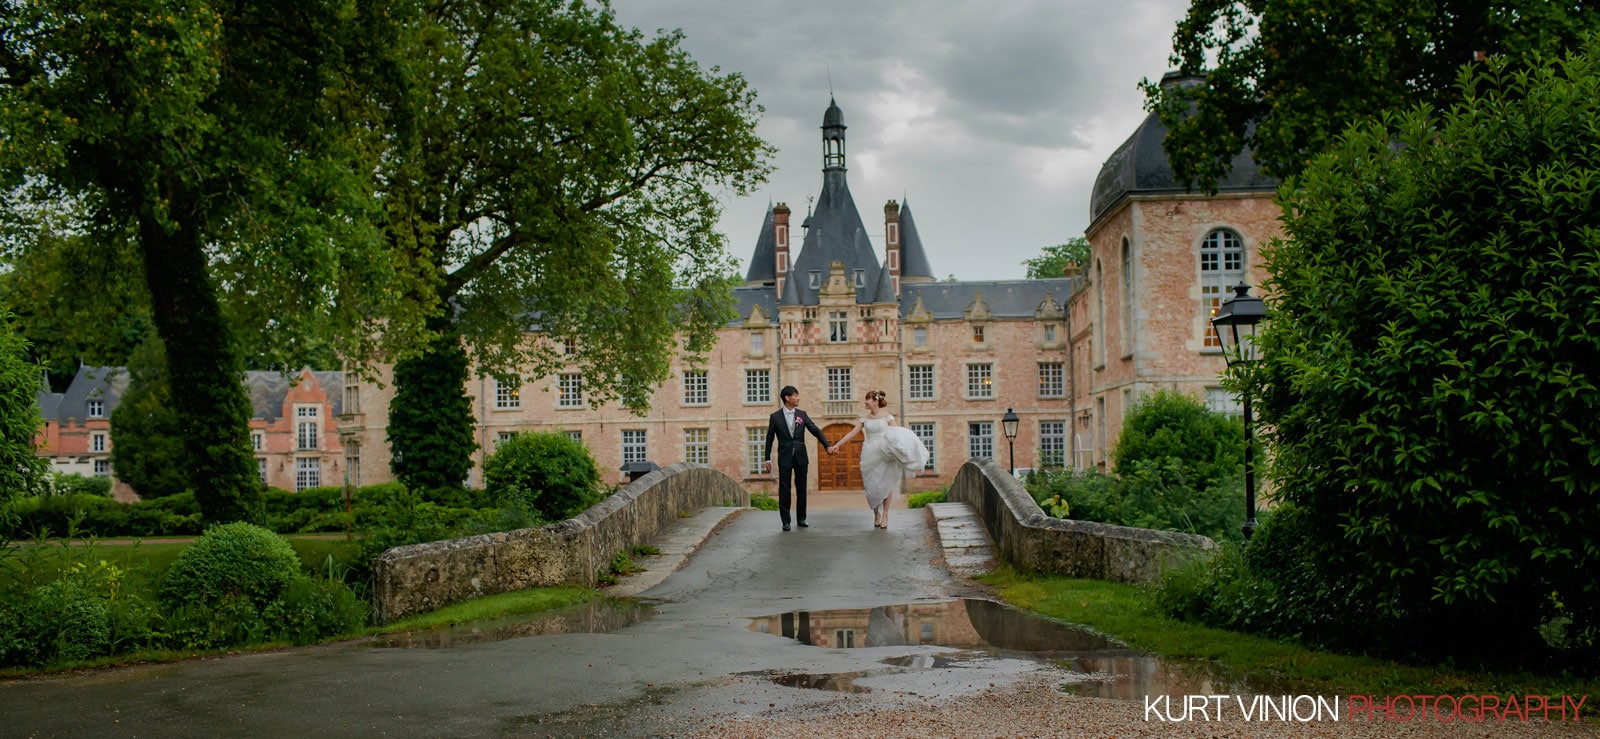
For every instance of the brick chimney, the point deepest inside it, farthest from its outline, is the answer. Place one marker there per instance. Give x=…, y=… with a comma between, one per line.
x=780, y=251
x=891, y=241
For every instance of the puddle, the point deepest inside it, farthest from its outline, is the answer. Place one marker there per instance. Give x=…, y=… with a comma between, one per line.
x=596, y=617
x=980, y=630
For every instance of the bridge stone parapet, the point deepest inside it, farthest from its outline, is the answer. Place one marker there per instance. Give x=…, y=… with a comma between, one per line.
x=1034, y=541
x=422, y=577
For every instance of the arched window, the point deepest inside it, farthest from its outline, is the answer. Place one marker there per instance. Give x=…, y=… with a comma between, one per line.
x=1100, y=312
x=1127, y=296
x=1221, y=267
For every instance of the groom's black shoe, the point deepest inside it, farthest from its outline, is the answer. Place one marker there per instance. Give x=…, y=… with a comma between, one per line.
x=786, y=526
x=803, y=525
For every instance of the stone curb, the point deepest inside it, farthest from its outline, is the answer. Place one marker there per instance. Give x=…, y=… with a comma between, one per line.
x=677, y=544
x=967, y=547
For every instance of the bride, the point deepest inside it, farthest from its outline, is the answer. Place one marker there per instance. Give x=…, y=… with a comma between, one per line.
x=888, y=453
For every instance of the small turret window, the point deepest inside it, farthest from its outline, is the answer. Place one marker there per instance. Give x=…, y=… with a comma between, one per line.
x=861, y=278
x=816, y=279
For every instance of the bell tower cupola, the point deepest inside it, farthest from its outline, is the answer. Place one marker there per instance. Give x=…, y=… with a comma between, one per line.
x=833, y=137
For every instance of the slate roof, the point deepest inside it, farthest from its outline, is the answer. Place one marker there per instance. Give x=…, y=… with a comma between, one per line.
x=103, y=383
x=1140, y=167
x=913, y=258
x=749, y=297
x=1005, y=298
x=763, y=263
x=267, y=389
x=836, y=232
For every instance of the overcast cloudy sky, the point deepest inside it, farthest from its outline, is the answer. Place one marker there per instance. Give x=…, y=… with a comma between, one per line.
x=990, y=118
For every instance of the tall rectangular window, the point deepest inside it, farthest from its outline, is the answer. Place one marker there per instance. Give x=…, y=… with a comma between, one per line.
x=758, y=386
x=924, y=431
x=258, y=440
x=980, y=440
x=696, y=388
x=352, y=463
x=919, y=336
x=1052, y=380
x=97, y=408
x=697, y=446
x=633, y=448
x=352, y=395
x=507, y=395
x=839, y=385
x=755, y=445
x=570, y=387
x=261, y=469
x=838, y=326
x=757, y=343
x=1052, y=443
x=97, y=443
x=102, y=468
x=307, y=473
x=306, y=425
x=919, y=381
x=1050, y=333
x=980, y=380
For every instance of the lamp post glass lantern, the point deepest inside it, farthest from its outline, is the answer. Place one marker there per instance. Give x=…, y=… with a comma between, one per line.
x=1009, y=423
x=1236, y=322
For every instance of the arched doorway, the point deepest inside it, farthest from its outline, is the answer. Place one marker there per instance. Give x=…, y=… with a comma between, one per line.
x=840, y=471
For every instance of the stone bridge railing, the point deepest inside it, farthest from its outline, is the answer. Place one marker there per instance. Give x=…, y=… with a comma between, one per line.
x=422, y=577
x=1034, y=541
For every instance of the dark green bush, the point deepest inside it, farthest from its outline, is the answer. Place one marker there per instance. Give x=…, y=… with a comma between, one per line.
x=1173, y=430
x=549, y=472
x=1432, y=365
x=1151, y=495
x=236, y=560
x=921, y=500
x=64, y=621
x=80, y=485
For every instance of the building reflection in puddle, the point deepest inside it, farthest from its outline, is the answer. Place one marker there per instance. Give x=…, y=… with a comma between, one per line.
x=1095, y=665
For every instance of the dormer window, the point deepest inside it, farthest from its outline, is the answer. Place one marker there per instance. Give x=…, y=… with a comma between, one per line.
x=97, y=408
x=816, y=279
x=861, y=278
x=1050, y=332
x=977, y=334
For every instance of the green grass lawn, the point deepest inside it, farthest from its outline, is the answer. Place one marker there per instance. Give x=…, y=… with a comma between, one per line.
x=148, y=559
x=1125, y=613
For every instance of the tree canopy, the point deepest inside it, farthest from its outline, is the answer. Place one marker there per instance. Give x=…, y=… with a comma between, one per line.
x=1431, y=374
x=20, y=423
x=1285, y=77
x=1055, y=259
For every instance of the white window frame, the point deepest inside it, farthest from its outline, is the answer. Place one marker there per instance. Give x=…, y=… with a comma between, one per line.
x=507, y=397
x=97, y=441
x=635, y=445
x=1052, y=380
x=1221, y=267
x=980, y=439
x=919, y=336
x=919, y=382
x=697, y=446
x=569, y=386
x=307, y=427
x=841, y=384
x=758, y=385
x=96, y=408
x=502, y=437
x=838, y=326
x=757, y=342
x=102, y=468
x=575, y=435
x=1052, y=440
x=927, y=432
x=977, y=389
x=261, y=469
x=696, y=387
x=307, y=473
x=755, y=447
x=258, y=440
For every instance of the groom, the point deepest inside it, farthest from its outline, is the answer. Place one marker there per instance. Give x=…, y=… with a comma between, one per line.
x=789, y=426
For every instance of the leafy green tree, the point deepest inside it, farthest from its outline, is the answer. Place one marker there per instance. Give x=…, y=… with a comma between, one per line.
x=548, y=472
x=146, y=437
x=1055, y=259
x=1432, y=370
x=232, y=144
x=1285, y=77
x=561, y=174
x=20, y=465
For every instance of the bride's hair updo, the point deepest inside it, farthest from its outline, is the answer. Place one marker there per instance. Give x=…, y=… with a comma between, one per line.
x=877, y=395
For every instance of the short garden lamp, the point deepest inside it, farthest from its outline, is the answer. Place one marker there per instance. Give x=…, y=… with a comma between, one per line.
x=1009, y=423
x=1236, y=322
x=636, y=470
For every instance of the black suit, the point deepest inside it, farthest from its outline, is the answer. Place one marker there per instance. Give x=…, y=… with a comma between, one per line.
x=792, y=459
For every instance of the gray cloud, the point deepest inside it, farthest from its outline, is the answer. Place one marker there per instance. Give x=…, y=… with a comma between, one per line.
x=993, y=118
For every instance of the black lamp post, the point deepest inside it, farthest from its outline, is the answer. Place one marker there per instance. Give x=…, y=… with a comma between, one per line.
x=1236, y=322
x=1009, y=423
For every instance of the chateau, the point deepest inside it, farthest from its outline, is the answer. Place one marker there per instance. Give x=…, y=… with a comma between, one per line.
x=823, y=310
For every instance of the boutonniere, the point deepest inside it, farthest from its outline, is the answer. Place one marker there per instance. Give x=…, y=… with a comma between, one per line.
x=799, y=418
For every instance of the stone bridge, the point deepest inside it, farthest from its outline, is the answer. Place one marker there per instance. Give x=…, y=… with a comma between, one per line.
x=423, y=577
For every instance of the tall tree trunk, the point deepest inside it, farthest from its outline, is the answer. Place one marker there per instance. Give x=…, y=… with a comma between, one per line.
x=204, y=369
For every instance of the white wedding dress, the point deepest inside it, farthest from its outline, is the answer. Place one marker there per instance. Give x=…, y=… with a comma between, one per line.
x=888, y=453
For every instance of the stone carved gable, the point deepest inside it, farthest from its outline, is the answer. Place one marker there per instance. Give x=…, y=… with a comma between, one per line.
x=1048, y=310
x=837, y=289
x=919, y=312
x=757, y=318
x=978, y=309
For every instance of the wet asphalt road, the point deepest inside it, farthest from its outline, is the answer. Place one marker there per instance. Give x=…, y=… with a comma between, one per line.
x=696, y=659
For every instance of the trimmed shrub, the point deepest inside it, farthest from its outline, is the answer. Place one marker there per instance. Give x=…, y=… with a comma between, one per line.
x=232, y=561
x=550, y=473
x=1171, y=430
